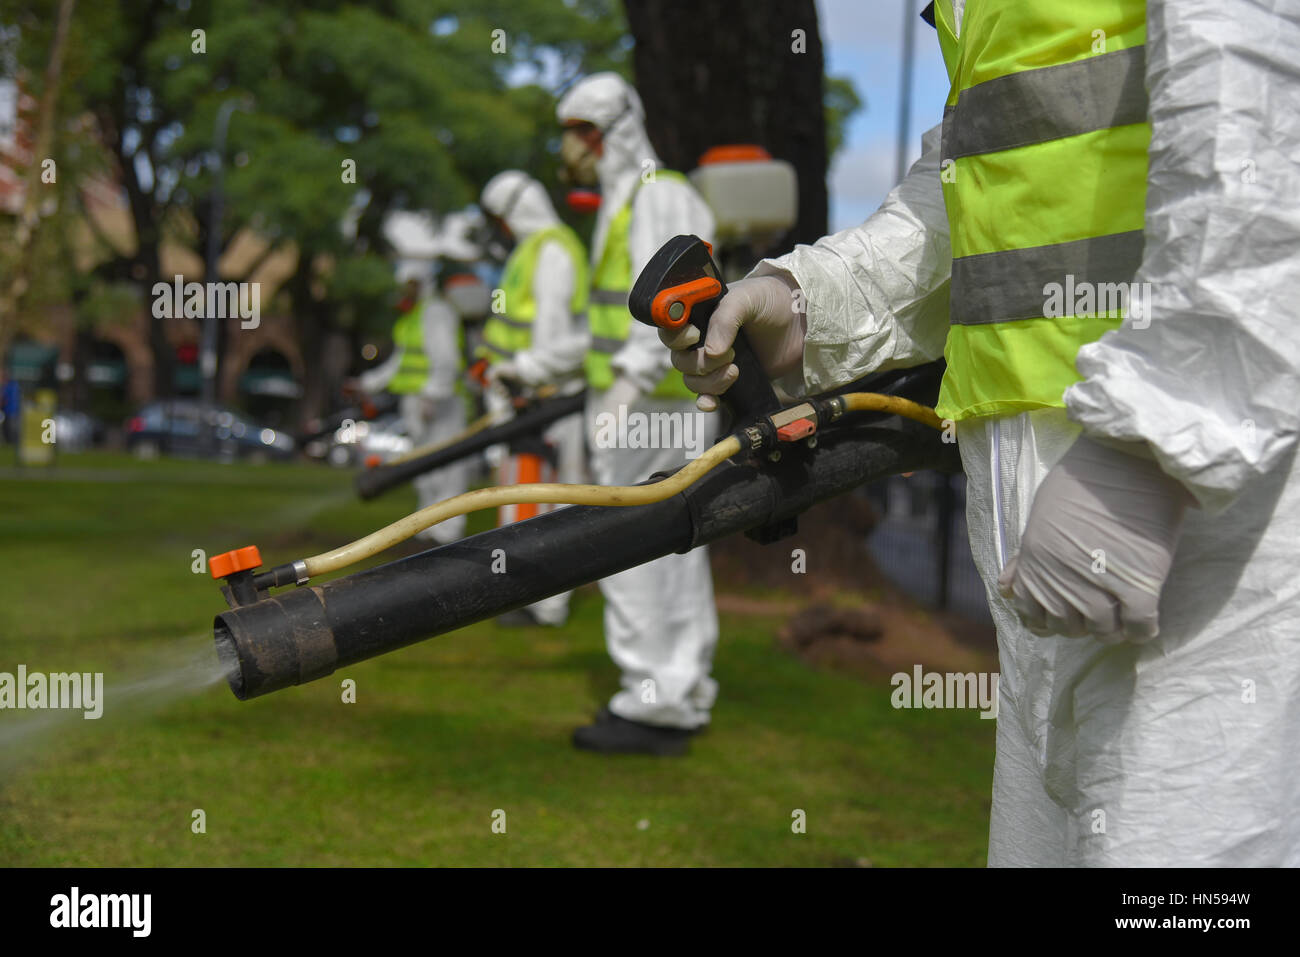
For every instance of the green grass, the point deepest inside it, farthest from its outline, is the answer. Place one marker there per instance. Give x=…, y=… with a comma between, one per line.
x=96, y=576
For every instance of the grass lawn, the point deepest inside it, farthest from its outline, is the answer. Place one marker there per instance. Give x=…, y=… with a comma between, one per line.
x=96, y=561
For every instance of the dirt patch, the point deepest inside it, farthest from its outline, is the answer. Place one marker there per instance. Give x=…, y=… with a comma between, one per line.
x=873, y=641
x=841, y=612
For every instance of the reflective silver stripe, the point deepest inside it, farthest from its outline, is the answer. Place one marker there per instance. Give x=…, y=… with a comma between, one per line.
x=1002, y=286
x=1036, y=106
x=608, y=297
x=504, y=353
x=605, y=344
x=516, y=323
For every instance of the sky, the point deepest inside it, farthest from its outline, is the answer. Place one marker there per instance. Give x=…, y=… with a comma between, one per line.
x=863, y=40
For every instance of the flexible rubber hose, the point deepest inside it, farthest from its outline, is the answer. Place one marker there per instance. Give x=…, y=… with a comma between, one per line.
x=895, y=405
x=554, y=493
x=541, y=493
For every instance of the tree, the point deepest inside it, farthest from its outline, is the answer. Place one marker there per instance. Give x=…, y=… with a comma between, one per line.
x=712, y=73
x=425, y=100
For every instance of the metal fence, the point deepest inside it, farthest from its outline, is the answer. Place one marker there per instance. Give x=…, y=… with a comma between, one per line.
x=921, y=542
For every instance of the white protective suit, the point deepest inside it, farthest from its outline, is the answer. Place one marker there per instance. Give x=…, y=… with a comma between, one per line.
x=661, y=625
x=435, y=414
x=559, y=341
x=1179, y=751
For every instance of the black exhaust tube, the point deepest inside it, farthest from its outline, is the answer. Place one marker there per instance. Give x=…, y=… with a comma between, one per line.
x=307, y=633
x=366, y=412
x=373, y=482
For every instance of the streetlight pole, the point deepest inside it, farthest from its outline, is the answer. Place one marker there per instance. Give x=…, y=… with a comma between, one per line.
x=905, y=90
x=208, y=343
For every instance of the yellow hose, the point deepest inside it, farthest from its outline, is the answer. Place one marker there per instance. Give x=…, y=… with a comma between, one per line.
x=554, y=493
x=893, y=404
x=541, y=493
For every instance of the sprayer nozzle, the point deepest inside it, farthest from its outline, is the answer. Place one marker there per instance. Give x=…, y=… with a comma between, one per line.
x=236, y=569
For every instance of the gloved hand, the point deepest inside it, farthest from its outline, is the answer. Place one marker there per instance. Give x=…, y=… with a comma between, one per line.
x=504, y=374
x=1098, y=545
x=623, y=392
x=769, y=309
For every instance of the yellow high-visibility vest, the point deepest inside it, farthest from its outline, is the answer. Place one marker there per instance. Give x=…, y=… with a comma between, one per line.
x=1044, y=166
x=608, y=318
x=414, y=368
x=511, y=331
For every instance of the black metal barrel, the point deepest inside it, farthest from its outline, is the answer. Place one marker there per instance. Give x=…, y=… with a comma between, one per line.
x=307, y=633
x=375, y=481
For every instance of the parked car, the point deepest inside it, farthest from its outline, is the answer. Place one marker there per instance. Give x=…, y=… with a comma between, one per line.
x=182, y=427
x=77, y=431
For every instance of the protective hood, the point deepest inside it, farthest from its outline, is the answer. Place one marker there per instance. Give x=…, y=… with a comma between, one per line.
x=419, y=271
x=519, y=200
x=612, y=104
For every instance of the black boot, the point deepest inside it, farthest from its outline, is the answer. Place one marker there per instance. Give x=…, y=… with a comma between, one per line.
x=611, y=734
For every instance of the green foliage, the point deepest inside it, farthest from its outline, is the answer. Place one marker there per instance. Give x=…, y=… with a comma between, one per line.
x=362, y=287
x=411, y=91
x=841, y=101
x=111, y=303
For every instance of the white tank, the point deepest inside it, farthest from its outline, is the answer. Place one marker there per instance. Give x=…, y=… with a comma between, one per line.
x=752, y=195
x=469, y=296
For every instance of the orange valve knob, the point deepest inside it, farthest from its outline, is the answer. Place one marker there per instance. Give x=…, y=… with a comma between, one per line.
x=796, y=430
x=240, y=560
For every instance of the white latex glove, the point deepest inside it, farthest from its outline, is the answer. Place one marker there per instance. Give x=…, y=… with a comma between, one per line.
x=623, y=392
x=505, y=374
x=1098, y=545
x=771, y=310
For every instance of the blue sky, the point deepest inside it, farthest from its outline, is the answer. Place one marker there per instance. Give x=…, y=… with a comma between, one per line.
x=863, y=40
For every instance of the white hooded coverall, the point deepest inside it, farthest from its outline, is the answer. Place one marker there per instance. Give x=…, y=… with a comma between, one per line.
x=1179, y=751
x=559, y=340
x=436, y=413
x=661, y=626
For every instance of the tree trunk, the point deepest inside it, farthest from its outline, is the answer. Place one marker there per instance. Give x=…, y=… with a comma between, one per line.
x=312, y=318
x=713, y=72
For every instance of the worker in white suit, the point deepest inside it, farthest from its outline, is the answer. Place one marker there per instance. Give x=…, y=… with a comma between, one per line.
x=426, y=371
x=1133, y=498
x=536, y=340
x=660, y=621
